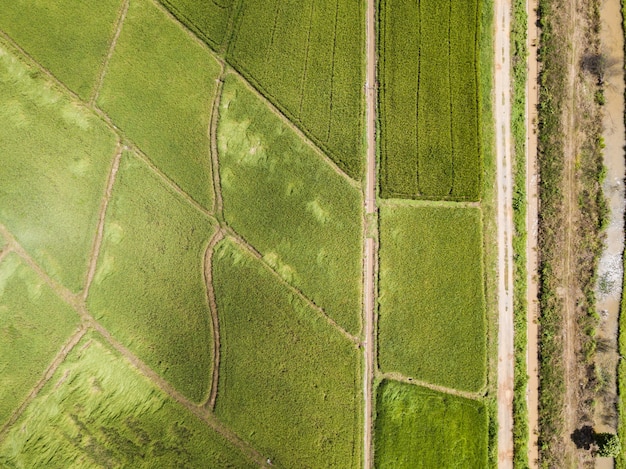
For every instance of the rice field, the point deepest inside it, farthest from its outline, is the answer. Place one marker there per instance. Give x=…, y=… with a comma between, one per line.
x=149, y=290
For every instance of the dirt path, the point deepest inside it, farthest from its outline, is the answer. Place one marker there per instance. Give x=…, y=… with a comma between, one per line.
x=506, y=354
x=442, y=389
x=58, y=359
x=105, y=65
x=103, y=208
x=532, y=224
x=208, y=279
x=370, y=248
x=218, y=203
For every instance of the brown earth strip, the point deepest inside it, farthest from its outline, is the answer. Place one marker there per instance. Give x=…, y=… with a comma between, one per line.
x=218, y=204
x=105, y=65
x=476, y=396
x=103, y=208
x=208, y=279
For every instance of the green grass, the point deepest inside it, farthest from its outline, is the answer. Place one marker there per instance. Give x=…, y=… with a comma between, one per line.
x=432, y=304
x=97, y=411
x=149, y=289
x=55, y=161
x=429, y=99
x=34, y=323
x=420, y=428
x=69, y=37
x=159, y=91
x=209, y=19
x=289, y=383
x=308, y=59
x=290, y=204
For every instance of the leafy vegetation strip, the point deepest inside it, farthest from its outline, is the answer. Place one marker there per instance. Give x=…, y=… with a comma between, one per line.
x=519, y=55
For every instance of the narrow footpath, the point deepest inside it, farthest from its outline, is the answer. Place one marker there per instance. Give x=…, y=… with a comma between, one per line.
x=370, y=248
x=504, y=177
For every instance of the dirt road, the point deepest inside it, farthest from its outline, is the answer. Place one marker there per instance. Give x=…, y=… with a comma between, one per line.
x=505, y=232
x=532, y=200
x=369, y=254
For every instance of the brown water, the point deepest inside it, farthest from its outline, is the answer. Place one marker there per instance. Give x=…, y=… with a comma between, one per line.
x=610, y=270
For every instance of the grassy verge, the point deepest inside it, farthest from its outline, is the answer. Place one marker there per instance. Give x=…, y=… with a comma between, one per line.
x=519, y=54
x=586, y=220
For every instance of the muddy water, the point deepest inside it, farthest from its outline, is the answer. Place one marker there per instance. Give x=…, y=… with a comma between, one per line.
x=610, y=270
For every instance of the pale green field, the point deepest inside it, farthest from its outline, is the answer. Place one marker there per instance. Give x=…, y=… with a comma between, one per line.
x=96, y=411
x=149, y=288
x=55, y=161
x=289, y=383
x=34, y=324
x=69, y=37
x=159, y=91
x=287, y=202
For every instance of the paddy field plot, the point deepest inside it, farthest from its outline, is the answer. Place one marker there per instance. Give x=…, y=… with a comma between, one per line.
x=149, y=290
x=289, y=383
x=34, y=324
x=432, y=323
x=159, y=90
x=209, y=20
x=291, y=205
x=68, y=37
x=308, y=59
x=419, y=428
x=55, y=160
x=97, y=411
x=429, y=99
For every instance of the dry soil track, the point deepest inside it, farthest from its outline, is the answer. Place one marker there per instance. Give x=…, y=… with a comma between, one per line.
x=506, y=354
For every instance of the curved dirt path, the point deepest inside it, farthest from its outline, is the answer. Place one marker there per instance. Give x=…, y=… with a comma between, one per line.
x=370, y=248
x=506, y=352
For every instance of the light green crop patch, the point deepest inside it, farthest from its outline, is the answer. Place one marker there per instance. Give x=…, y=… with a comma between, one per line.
x=34, y=324
x=417, y=428
x=290, y=204
x=149, y=289
x=159, y=91
x=289, y=383
x=96, y=411
x=68, y=37
x=55, y=162
x=432, y=323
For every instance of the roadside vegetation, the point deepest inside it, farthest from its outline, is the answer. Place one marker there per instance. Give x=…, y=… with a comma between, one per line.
x=289, y=382
x=149, y=290
x=420, y=428
x=159, y=89
x=282, y=197
x=432, y=324
x=68, y=37
x=50, y=194
x=33, y=326
x=572, y=214
x=96, y=411
x=429, y=99
x=519, y=75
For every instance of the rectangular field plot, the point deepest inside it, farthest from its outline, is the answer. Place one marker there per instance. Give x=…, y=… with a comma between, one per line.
x=290, y=204
x=307, y=58
x=417, y=428
x=68, y=37
x=34, y=324
x=432, y=304
x=289, y=383
x=55, y=160
x=149, y=289
x=429, y=99
x=96, y=411
x=209, y=19
x=159, y=91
